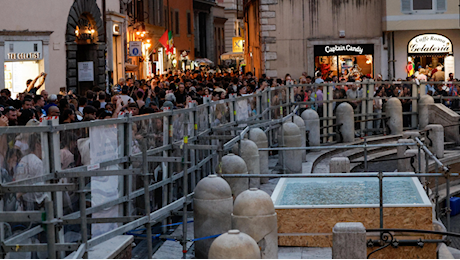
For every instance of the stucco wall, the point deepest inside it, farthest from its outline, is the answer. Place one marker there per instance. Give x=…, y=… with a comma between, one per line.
x=395, y=20
x=403, y=38
x=294, y=25
x=45, y=15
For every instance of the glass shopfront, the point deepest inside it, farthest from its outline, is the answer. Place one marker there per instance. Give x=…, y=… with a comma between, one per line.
x=426, y=52
x=23, y=61
x=344, y=60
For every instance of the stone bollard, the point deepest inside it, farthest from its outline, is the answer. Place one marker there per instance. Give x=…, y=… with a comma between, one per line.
x=250, y=155
x=311, y=120
x=290, y=138
x=410, y=166
x=213, y=206
x=400, y=153
x=393, y=110
x=234, y=245
x=424, y=104
x=303, y=139
x=233, y=164
x=349, y=241
x=411, y=136
x=346, y=116
x=254, y=214
x=435, y=139
x=339, y=165
x=260, y=139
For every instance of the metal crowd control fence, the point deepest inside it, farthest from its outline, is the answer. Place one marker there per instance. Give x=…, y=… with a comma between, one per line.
x=71, y=187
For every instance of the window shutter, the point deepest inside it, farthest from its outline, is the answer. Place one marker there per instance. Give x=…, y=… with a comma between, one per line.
x=441, y=5
x=406, y=6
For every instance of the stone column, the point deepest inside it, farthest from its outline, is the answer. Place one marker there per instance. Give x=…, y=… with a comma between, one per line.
x=349, y=241
x=339, y=165
x=400, y=153
x=299, y=122
x=394, y=111
x=346, y=117
x=423, y=109
x=410, y=166
x=311, y=119
x=435, y=139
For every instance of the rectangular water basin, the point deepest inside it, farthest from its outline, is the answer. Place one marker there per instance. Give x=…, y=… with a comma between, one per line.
x=308, y=208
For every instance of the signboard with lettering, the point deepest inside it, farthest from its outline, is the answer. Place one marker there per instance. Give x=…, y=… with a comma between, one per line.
x=237, y=44
x=429, y=43
x=135, y=48
x=23, y=50
x=344, y=49
x=85, y=71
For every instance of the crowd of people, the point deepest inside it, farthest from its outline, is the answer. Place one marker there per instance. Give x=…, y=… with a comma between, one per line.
x=175, y=89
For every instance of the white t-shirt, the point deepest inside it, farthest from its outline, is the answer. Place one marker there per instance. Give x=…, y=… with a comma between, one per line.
x=126, y=99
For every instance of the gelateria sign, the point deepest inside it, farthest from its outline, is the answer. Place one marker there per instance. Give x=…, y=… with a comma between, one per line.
x=429, y=43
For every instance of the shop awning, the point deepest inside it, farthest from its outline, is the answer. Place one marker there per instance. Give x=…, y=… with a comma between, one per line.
x=130, y=67
x=232, y=56
x=204, y=61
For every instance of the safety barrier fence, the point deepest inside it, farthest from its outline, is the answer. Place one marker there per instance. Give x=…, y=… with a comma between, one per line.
x=71, y=187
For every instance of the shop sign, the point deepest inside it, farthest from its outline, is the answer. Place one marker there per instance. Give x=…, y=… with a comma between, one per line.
x=23, y=50
x=237, y=44
x=343, y=49
x=429, y=43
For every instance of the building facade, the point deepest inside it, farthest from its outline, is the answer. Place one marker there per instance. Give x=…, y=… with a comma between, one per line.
x=69, y=44
x=233, y=32
x=204, y=29
x=423, y=34
x=339, y=38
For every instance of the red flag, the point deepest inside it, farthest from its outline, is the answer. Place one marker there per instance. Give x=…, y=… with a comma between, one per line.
x=164, y=40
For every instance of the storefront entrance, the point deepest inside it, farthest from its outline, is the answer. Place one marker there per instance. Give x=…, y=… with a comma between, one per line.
x=23, y=61
x=426, y=52
x=345, y=61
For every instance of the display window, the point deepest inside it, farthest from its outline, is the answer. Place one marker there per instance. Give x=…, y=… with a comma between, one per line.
x=345, y=61
x=428, y=52
x=17, y=73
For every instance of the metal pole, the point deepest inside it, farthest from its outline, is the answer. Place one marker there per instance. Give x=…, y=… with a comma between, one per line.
x=419, y=159
x=381, y=198
x=84, y=230
x=436, y=197
x=365, y=155
x=145, y=174
x=184, y=217
x=50, y=235
x=448, y=200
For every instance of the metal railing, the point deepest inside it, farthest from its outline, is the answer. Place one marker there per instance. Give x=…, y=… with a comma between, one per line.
x=154, y=161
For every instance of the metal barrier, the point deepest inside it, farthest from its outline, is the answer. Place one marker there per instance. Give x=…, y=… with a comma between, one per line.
x=71, y=187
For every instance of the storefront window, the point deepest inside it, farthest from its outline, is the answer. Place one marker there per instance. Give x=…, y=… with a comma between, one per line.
x=345, y=61
x=427, y=52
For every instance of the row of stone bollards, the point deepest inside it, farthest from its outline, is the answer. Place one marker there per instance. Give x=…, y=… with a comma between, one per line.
x=248, y=225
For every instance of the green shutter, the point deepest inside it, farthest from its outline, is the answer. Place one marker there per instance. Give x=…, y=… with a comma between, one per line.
x=406, y=6
x=441, y=6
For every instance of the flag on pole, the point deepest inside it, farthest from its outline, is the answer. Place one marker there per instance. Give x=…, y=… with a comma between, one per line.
x=170, y=43
x=164, y=40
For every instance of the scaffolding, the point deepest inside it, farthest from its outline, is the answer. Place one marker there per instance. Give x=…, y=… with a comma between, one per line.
x=67, y=188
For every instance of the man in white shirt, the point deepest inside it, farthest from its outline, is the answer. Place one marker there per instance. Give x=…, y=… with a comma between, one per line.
x=124, y=96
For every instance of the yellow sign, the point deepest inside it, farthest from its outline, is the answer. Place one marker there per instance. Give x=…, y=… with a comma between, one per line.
x=237, y=44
